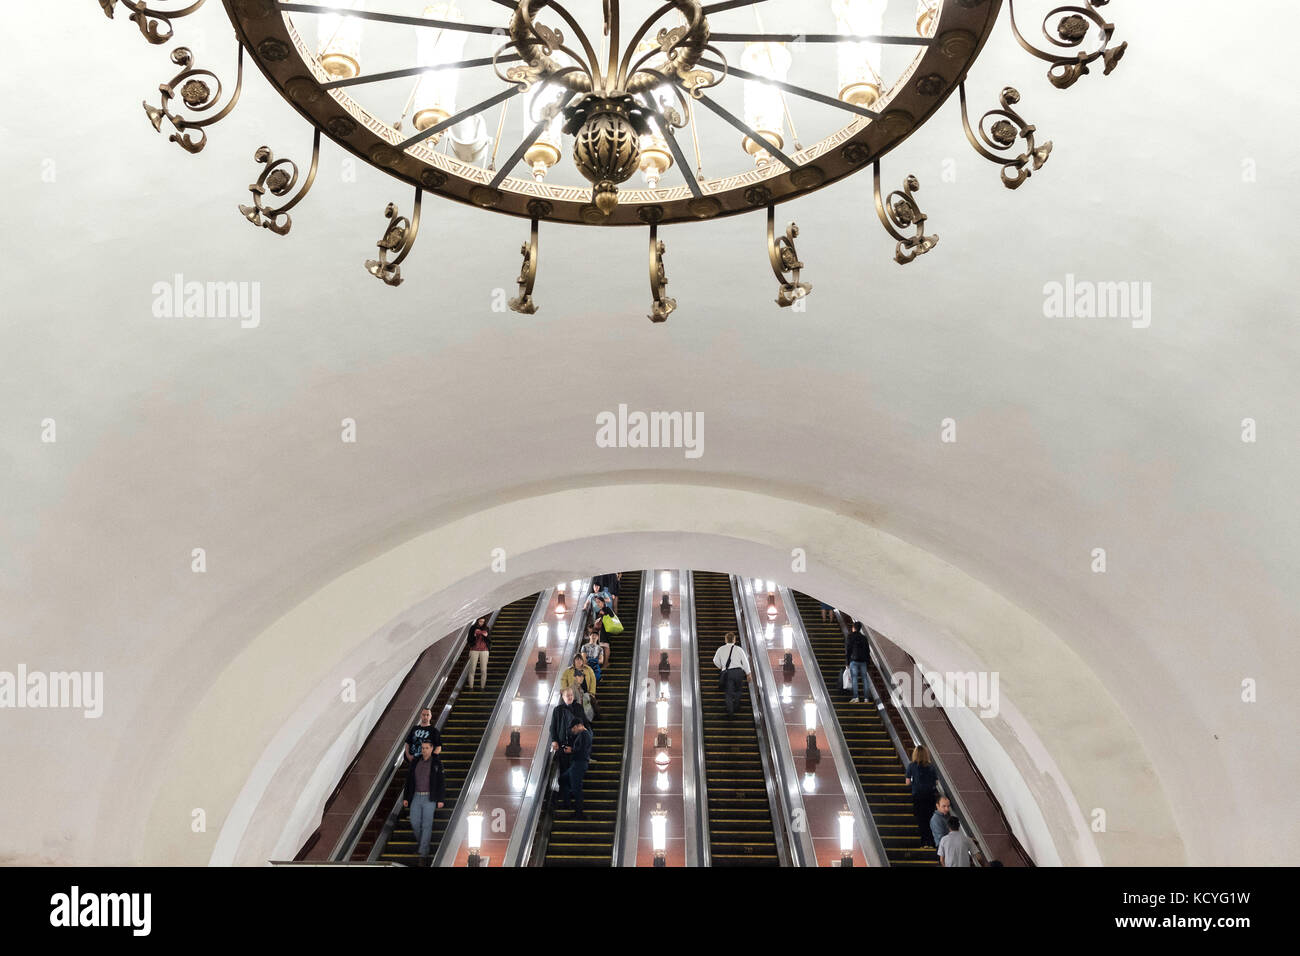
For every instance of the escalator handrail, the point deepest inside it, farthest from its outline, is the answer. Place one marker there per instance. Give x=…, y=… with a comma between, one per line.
x=873, y=847
x=537, y=787
x=449, y=846
x=395, y=811
x=627, y=823
x=791, y=849
x=695, y=782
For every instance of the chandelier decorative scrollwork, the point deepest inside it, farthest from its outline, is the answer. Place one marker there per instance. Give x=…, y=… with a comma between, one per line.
x=662, y=100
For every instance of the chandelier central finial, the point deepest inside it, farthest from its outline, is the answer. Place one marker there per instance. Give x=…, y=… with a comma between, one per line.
x=610, y=105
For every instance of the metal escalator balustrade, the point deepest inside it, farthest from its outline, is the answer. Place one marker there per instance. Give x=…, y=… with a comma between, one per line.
x=741, y=829
x=875, y=758
x=590, y=842
x=463, y=732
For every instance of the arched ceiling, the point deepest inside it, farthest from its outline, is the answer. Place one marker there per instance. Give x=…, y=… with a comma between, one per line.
x=1178, y=170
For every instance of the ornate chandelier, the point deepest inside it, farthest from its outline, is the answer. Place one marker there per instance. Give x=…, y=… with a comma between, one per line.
x=618, y=106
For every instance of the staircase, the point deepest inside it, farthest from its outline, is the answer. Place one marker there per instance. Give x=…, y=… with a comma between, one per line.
x=875, y=758
x=740, y=816
x=462, y=734
x=590, y=842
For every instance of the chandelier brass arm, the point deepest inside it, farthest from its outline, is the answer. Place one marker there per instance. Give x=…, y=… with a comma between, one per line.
x=898, y=211
x=661, y=305
x=279, y=176
x=785, y=262
x=1073, y=28
x=196, y=95
x=523, y=303
x=1008, y=125
x=155, y=25
x=398, y=239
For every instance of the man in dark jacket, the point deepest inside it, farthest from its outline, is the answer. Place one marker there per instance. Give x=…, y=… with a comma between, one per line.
x=579, y=753
x=563, y=715
x=424, y=793
x=857, y=652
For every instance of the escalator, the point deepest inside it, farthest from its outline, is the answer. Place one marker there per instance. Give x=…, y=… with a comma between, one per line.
x=463, y=732
x=741, y=831
x=590, y=842
x=875, y=758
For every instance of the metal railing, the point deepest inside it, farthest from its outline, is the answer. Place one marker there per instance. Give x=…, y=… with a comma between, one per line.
x=695, y=786
x=627, y=825
x=783, y=783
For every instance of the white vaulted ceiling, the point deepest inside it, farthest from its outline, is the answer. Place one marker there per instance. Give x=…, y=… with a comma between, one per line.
x=822, y=431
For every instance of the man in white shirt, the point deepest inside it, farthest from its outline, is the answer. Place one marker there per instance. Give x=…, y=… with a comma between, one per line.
x=731, y=660
x=955, y=849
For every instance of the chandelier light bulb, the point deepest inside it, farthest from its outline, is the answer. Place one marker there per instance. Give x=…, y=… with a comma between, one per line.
x=927, y=15
x=546, y=149
x=764, y=108
x=435, y=94
x=339, y=41
x=859, y=63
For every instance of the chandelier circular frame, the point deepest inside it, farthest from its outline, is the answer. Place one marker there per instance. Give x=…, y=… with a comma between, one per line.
x=291, y=66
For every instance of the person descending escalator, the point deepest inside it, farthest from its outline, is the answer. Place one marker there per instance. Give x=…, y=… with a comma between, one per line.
x=595, y=651
x=424, y=794
x=578, y=750
x=563, y=716
x=730, y=659
x=424, y=730
x=924, y=780
x=597, y=600
x=478, y=643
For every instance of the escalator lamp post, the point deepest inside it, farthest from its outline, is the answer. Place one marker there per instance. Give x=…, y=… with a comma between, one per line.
x=787, y=636
x=665, y=631
x=543, y=632
x=513, y=749
x=661, y=711
x=810, y=724
x=475, y=837
x=665, y=580
x=771, y=604
x=846, y=837
x=659, y=835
